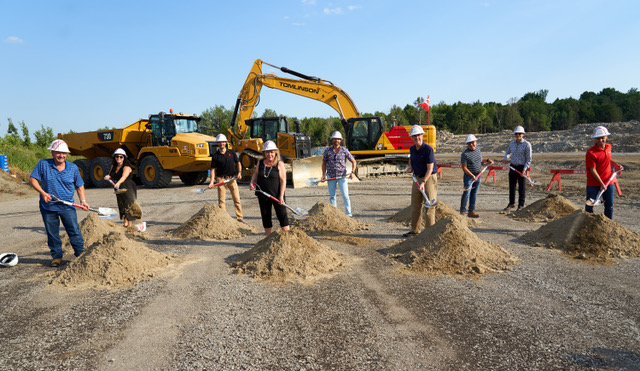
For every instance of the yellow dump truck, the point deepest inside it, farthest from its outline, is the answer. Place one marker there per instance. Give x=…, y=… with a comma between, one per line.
x=164, y=145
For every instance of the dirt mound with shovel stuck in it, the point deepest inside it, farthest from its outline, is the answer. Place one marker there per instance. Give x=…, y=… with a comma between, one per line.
x=288, y=256
x=450, y=247
x=93, y=229
x=547, y=209
x=583, y=235
x=323, y=217
x=442, y=210
x=113, y=261
x=212, y=223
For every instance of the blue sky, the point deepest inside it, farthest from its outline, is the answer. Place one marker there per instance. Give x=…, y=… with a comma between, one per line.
x=83, y=65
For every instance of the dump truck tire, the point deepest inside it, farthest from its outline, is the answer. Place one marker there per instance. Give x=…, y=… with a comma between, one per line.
x=195, y=178
x=100, y=167
x=152, y=174
x=84, y=166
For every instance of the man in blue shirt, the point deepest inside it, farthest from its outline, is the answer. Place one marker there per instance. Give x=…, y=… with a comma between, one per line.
x=56, y=176
x=334, y=162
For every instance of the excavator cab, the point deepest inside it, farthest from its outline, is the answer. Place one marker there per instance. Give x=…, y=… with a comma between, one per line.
x=291, y=145
x=363, y=132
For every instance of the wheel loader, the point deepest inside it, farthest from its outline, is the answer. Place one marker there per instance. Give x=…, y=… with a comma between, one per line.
x=159, y=147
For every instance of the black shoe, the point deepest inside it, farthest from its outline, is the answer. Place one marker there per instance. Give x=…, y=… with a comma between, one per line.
x=409, y=234
x=520, y=208
x=510, y=206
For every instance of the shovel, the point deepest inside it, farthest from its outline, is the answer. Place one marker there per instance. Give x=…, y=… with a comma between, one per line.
x=598, y=200
x=483, y=169
x=297, y=213
x=313, y=182
x=531, y=182
x=103, y=212
x=201, y=190
x=428, y=203
x=119, y=191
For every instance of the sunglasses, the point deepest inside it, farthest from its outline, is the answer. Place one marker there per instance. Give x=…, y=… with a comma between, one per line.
x=118, y=156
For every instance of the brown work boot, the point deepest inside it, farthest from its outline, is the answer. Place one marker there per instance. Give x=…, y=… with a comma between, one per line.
x=473, y=214
x=510, y=206
x=463, y=213
x=56, y=263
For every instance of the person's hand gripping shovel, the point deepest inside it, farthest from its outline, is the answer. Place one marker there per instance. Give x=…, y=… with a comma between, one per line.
x=313, y=182
x=103, y=212
x=598, y=200
x=428, y=202
x=117, y=189
x=201, y=190
x=477, y=177
x=531, y=182
x=298, y=213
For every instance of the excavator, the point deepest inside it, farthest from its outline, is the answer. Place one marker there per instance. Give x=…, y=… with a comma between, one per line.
x=376, y=151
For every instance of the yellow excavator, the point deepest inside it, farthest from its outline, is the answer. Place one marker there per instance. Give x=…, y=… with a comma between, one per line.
x=377, y=152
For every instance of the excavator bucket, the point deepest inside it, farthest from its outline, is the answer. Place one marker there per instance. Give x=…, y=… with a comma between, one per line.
x=310, y=168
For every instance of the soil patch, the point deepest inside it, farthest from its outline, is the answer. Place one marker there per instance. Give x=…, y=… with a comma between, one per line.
x=442, y=210
x=450, y=247
x=583, y=235
x=14, y=189
x=288, y=256
x=113, y=261
x=323, y=218
x=211, y=222
x=93, y=229
x=547, y=209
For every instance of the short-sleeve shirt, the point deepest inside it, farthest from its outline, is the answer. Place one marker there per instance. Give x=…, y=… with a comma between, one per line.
x=61, y=184
x=336, y=163
x=473, y=160
x=225, y=164
x=420, y=158
x=601, y=160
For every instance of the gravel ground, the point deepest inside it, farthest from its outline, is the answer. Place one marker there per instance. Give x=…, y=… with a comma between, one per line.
x=549, y=312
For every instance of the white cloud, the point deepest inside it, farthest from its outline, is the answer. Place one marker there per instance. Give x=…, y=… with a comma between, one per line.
x=309, y=2
x=354, y=7
x=13, y=40
x=333, y=11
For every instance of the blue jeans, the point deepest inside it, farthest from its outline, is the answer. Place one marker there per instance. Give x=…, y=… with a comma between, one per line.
x=344, y=189
x=607, y=197
x=69, y=220
x=469, y=195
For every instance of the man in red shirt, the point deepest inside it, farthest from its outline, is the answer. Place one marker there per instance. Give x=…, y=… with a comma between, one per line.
x=598, y=161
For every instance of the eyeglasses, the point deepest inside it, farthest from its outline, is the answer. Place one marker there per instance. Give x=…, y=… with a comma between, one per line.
x=118, y=156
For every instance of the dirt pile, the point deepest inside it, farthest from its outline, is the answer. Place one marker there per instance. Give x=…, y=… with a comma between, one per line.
x=14, y=189
x=450, y=247
x=442, y=210
x=93, y=229
x=587, y=236
x=547, y=209
x=288, y=256
x=323, y=217
x=113, y=261
x=211, y=222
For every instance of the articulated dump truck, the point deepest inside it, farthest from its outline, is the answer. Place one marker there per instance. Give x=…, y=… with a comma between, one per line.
x=159, y=147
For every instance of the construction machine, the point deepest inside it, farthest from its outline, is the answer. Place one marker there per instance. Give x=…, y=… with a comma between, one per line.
x=159, y=147
x=378, y=152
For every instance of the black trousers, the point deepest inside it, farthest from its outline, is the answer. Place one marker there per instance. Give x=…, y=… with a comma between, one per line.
x=265, y=212
x=516, y=179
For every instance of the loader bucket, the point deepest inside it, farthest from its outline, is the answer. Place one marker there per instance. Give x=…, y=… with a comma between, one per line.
x=304, y=169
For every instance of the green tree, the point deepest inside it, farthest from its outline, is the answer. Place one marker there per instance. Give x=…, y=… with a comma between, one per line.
x=26, y=138
x=44, y=136
x=268, y=112
x=12, y=137
x=216, y=120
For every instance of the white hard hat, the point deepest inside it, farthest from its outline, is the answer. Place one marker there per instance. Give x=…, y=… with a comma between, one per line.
x=600, y=131
x=336, y=135
x=59, y=145
x=269, y=146
x=416, y=129
x=120, y=151
x=470, y=138
x=8, y=259
x=518, y=129
x=221, y=138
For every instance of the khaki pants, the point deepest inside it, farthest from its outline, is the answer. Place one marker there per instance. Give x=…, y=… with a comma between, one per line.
x=235, y=195
x=417, y=203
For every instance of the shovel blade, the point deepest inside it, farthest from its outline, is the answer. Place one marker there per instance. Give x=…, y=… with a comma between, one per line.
x=200, y=190
x=592, y=202
x=107, y=213
x=301, y=213
x=313, y=182
x=431, y=203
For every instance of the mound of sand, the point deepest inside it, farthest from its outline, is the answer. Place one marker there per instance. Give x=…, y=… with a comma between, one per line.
x=211, y=222
x=587, y=236
x=450, y=247
x=287, y=256
x=114, y=260
x=325, y=218
x=547, y=209
x=442, y=210
x=14, y=189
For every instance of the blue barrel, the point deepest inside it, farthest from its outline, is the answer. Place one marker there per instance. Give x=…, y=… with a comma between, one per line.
x=4, y=163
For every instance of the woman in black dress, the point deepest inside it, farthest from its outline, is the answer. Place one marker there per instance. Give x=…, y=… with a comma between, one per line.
x=271, y=176
x=121, y=173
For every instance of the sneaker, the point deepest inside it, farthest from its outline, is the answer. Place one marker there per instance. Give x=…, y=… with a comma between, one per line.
x=473, y=214
x=510, y=206
x=520, y=208
x=409, y=234
x=56, y=263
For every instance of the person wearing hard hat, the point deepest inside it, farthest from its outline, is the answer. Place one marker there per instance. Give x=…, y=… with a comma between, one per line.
x=471, y=161
x=122, y=172
x=519, y=155
x=271, y=177
x=56, y=176
x=225, y=165
x=334, y=162
x=422, y=163
x=598, y=162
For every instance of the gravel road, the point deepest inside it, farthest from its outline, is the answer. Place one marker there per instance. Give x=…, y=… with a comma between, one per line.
x=549, y=312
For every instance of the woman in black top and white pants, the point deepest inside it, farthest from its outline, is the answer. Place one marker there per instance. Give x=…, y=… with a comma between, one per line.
x=271, y=177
